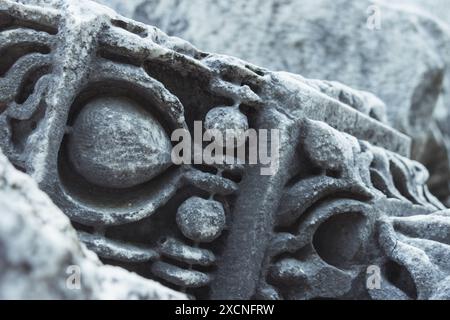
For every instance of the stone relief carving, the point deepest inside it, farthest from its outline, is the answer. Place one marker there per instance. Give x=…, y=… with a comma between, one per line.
x=88, y=102
x=371, y=45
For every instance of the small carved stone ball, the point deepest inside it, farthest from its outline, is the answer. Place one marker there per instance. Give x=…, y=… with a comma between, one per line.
x=230, y=122
x=201, y=220
x=116, y=143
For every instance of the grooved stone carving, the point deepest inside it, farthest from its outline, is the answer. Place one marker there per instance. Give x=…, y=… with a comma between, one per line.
x=396, y=49
x=89, y=100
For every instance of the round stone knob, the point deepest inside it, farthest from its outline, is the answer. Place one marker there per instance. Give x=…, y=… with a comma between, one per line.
x=230, y=122
x=201, y=220
x=116, y=143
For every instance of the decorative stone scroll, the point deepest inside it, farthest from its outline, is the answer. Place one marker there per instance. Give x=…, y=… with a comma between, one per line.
x=88, y=102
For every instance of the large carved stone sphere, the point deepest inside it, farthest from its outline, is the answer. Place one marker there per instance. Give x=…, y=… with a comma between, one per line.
x=116, y=143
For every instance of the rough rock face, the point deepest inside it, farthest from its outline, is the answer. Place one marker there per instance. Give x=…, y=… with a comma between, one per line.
x=342, y=212
x=40, y=251
x=406, y=63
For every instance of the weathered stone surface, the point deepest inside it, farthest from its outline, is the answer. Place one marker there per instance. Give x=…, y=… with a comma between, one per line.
x=342, y=195
x=116, y=143
x=201, y=220
x=315, y=39
x=39, y=251
x=406, y=63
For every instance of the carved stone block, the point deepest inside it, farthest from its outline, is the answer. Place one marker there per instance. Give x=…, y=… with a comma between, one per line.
x=89, y=101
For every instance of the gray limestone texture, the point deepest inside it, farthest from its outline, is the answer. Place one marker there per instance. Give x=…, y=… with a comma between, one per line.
x=396, y=49
x=88, y=101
